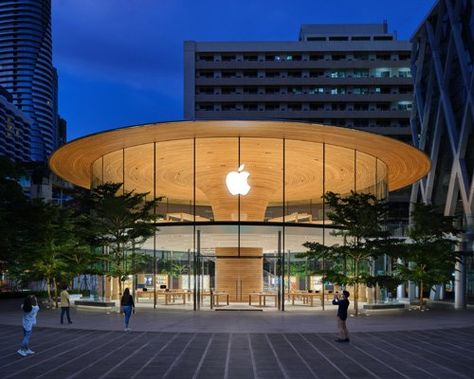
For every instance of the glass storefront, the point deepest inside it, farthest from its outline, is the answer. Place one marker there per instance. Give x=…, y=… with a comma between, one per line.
x=233, y=214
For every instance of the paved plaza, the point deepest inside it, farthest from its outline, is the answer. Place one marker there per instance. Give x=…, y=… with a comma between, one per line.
x=173, y=344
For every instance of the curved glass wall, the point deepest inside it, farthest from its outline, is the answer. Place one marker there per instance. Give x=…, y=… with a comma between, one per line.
x=234, y=214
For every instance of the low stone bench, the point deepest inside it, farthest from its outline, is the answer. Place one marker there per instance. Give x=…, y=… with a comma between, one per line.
x=384, y=306
x=97, y=305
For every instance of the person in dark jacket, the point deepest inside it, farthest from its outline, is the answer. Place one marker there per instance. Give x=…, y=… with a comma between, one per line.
x=342, y=305
x=127, y=305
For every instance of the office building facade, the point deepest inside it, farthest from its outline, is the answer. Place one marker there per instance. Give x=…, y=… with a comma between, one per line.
x=443, y=114
x=14, y=130
x=26, y=69
x=355, y=76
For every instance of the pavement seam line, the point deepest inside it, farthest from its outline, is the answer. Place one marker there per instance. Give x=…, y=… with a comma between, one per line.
x=42, y=352
x=324, y=356
x=155, y=355
x=103, y=357
x=123, y=361
x=433, y=352
x=252, y=357
x=36, y=345
x=385, y=351
x=282, y=368
x=179, y=356
x=81, y=355
x=204, y=354
x=349, y=357
x=227, y=357
x=300, y=357
x=423, y=358
x=380, y=361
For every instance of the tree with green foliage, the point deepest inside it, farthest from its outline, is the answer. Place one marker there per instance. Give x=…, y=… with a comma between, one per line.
x=429, y=256
x=13, y=213
x=53, y=249
x=358, y=220
x=119, y=221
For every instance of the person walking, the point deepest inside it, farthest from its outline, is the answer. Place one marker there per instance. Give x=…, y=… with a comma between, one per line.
x=127, y=305
x=65, y=304
x=30, y=310
x=342, y=305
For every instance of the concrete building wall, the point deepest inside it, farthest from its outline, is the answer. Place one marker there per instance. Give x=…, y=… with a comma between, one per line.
x=354, y=76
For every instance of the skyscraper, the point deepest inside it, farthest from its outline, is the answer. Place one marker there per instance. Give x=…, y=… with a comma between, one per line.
x=26, y=69
x=443, y=119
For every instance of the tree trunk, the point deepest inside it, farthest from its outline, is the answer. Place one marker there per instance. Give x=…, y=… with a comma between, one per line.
x=48, y=288
x=55, y=292
x=356, y=287
x=421, y=295
x=120, y=286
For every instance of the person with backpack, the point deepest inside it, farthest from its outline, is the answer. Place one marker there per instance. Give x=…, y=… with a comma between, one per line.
x=127, y=306
x=343, y=304
x=30, y=310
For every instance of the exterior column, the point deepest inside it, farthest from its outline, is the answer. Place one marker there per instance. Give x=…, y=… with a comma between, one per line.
x=401, y=287
x=411, y=289
x=460, y=284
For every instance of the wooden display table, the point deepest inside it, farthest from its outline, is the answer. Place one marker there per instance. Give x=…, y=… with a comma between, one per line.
x=217, y=295
x=263, y=295
x=172, y=295
x=144, y=295
x=307, y=297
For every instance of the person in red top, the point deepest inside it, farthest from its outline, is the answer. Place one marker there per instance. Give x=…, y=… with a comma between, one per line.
x=342, y=303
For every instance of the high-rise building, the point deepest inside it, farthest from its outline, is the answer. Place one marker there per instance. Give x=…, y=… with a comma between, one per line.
x=26, y=69
x=355, y=75
x=14, y=130
x=443, y=113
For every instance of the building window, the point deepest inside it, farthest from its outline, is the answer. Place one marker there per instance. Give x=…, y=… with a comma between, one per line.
x=316, y=74
x=294, y=74
x=361, y=107
x=338, y=57
x=316, y=57
x=338, y=38
x=316, y=90
x=361, y=56
x=360, y=38
x=295, y=90
x=272, y=74
x=337, y=74
x=228, y=58
x=316, y=106
x=337, y=91
x=383, y=38
x=206, y=58
x=272, y=107
x=315, y=38
x=272, y=90
x=250, y=58
x=404, y=105
x=404, y=73
x=361, y=74
x=382, y=57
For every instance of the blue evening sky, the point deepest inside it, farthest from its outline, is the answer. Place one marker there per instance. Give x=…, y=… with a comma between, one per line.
x=120, y=62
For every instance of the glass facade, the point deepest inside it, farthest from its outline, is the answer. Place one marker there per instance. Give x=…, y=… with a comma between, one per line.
x=213, y=243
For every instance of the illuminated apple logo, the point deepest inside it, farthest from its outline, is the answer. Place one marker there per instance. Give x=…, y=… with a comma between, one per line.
x=236, y=182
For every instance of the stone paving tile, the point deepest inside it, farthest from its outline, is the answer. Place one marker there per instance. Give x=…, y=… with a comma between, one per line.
x=68, y=353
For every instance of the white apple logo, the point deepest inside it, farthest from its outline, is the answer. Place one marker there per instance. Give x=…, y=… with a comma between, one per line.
x=237, y=182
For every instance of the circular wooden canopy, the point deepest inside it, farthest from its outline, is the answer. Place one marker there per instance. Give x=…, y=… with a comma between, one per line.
x=216, y=153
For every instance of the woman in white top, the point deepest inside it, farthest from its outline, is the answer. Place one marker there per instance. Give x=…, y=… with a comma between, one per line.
x=30, y=310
